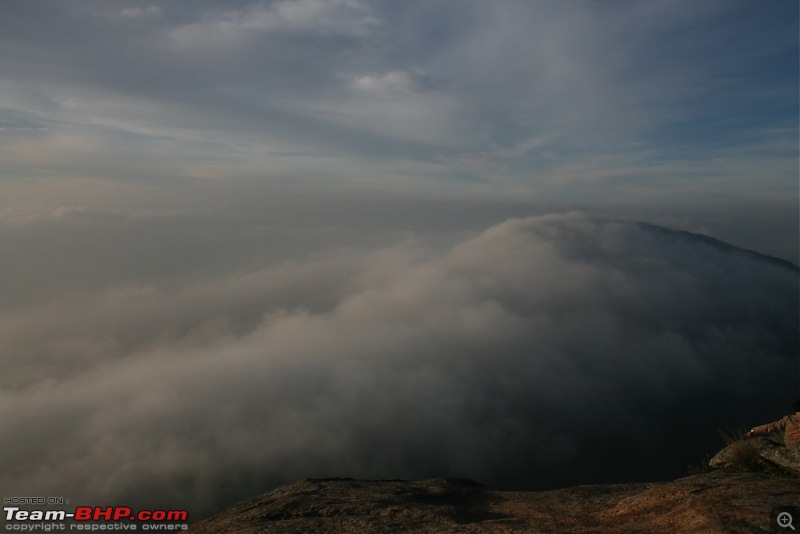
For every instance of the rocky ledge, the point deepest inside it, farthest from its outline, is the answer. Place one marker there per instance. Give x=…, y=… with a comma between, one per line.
x=722, y=501
x=766, y=454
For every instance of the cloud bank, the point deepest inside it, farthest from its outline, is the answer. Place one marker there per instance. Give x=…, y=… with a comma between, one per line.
x=545, y=351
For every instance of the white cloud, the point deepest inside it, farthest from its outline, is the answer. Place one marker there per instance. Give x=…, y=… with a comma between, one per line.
x=141, y=13
x=395, y=80
x=234, y=27
x=346, y=16
x=199, y=297
x=507, y=358
x=527, y=99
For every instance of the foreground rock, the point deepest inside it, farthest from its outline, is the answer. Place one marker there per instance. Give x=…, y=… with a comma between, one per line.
x=713, y=502
x=759, y=454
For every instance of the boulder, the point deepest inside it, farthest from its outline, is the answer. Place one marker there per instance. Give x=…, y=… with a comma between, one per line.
x=766, y=454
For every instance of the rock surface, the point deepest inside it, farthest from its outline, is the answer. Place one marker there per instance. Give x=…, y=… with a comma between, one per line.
x=721, y=501
x=759, y=454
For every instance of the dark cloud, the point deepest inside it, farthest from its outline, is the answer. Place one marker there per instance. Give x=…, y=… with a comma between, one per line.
x=545, y=351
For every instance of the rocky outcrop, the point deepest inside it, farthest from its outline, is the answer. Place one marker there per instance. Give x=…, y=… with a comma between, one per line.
x=759, y=454
x=722, y=501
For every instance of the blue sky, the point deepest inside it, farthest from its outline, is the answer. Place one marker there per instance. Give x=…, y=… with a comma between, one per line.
x=594, y=102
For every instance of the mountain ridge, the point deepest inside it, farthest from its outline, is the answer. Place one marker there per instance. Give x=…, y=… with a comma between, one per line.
x=718, y=244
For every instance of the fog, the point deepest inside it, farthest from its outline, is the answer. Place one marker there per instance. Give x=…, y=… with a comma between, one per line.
x=543, y=351
x=244, y=243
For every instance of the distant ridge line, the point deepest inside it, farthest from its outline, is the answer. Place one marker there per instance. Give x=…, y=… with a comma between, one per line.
x=722, y=245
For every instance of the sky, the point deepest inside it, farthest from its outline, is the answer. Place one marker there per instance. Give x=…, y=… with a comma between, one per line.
x=248, y=242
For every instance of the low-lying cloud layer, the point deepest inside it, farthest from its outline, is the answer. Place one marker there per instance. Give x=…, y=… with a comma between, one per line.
x=545, y=351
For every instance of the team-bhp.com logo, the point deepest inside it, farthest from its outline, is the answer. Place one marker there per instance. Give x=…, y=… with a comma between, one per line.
x=86, y=518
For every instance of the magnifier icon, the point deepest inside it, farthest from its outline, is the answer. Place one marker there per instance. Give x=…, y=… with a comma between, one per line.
x=785, y=520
